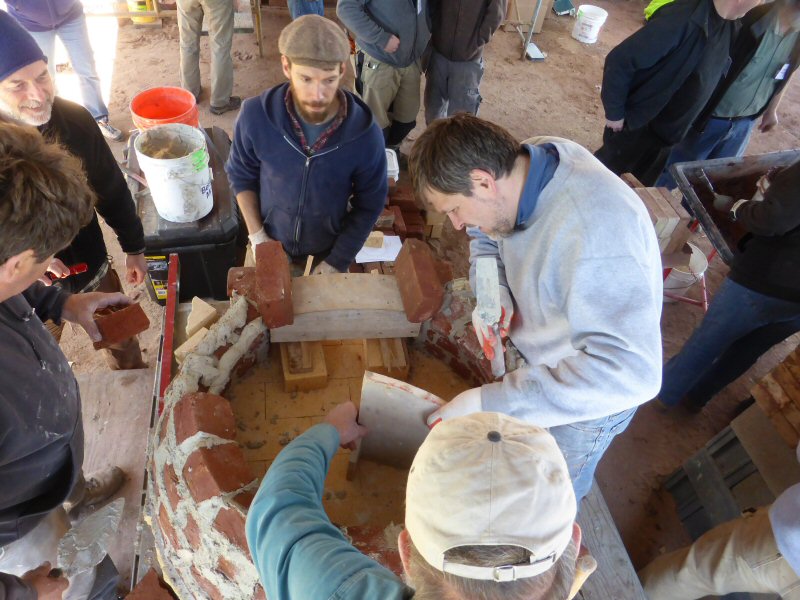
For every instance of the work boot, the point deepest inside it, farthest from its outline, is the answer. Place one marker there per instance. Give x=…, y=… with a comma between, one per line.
x=98, y=488
x=233, y=104
x=109, y=131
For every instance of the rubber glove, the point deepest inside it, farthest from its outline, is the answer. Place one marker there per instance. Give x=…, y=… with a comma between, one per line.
x=484, y=330
x=465, y=403
x=259, y=237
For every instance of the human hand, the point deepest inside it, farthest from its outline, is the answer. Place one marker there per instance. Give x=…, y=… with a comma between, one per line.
x=57, y=268
x=324, y=268
x=392, y=45
x=615, y=125
x=343, y=417
x=768, y=121
x=135, y=268
x=80, y=309
x=465, y=403
x=484, y=331
x=45, y=586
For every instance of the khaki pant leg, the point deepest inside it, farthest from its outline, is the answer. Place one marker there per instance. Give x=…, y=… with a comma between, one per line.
x=220, y=30
x=407, y=99
x=381, y=83
x=190, y=25
x=737, y=556
x=126, y=354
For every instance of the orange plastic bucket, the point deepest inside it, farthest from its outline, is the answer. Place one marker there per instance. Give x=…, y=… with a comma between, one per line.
x=162, y=105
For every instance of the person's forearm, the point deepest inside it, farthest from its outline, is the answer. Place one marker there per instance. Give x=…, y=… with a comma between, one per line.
x=776, y=99
x=251, y=210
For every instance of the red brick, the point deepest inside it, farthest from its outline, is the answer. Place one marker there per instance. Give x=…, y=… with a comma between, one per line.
x=245, y=499
x=219, y=352
x=230, y=523
x=385, y=219
x=448, y=346
x=241, y=281
x=399, y=223
x=119, y=324
x=421, y=291
x=273, y=285
x=203, y=412
x=209, y=588
x=355, y=268
x=167, y=530
x=445, y=271
x=434, y=351
x=258, y=593
x=212, y=471
x=151, y=587
x=171, y=486
x=227, y=568
x=192, y=532
x=413, y=218
x=370, y=540
x=162, y=428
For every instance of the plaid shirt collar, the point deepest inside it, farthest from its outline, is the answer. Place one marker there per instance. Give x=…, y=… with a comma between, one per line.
x=336, y=122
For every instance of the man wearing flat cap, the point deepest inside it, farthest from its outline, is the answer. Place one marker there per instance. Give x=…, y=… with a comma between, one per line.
x=490, y=514
x=308, y=164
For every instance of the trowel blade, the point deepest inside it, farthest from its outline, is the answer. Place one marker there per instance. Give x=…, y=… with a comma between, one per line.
x=487, y=290
x=87, y=542
x=394, y=413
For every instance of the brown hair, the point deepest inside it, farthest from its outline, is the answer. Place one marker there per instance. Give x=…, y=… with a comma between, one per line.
x=432, y=584
x=44, y=196
x=449, y=149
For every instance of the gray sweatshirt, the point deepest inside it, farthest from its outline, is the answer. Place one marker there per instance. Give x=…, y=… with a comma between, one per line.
x=586, y=279
x=373, y=22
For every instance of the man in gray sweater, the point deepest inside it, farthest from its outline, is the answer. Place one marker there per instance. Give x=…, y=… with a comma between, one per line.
x=391, y=36
x=580, y=276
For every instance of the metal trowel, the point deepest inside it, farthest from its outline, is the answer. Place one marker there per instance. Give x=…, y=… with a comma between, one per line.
x=490, y=310
x=87, y=542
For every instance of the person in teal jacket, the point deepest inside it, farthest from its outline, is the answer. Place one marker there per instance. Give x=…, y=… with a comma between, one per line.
x=521, y=545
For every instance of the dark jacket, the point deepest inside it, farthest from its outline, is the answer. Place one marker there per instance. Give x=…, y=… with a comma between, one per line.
x=44, y=15
x=41, y=433
x=643, y=73
x=304, y=199
x=72, y=126
x=753, y=26
x=769, y=261
x=373, y=22
x=461, y=28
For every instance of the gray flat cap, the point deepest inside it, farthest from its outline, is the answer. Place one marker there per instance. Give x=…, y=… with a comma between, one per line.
x=313, y=40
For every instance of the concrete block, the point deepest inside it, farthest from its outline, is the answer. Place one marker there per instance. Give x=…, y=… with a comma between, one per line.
x=420, y=288
x=273, y=285
x=190, y=345
x=202, y=315
x=117, y=324
x=203, y=412
x=213, y=471
x=301, y=380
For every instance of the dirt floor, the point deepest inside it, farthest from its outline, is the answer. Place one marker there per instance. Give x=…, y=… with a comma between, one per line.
x=559, y=96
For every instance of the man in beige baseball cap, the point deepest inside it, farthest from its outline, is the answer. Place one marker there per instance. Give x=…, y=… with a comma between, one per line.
x=490, y=514
x=308, y=164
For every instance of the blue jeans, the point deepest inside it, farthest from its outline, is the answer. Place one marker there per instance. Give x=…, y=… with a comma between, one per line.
x=740, y=326
x=583, y=445
x=720, y=139
x=298, y=8
x=75, y=37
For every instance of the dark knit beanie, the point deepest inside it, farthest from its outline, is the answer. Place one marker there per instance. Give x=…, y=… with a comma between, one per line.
x=314, y=41
x=17, y=48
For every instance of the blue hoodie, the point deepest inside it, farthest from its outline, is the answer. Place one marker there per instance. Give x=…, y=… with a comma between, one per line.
x=44, y=15
x=304, y=199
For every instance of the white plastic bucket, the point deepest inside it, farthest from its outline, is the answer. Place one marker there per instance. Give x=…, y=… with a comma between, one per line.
x=587, y=25
x=180, y=185
x=680, y=279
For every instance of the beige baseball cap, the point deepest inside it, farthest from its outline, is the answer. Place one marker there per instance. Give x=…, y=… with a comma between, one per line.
x=488, y=479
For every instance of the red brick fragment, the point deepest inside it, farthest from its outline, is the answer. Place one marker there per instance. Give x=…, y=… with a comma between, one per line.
x=212, y=471
x=192, y=532
x=445, y=271
x=151, y=587
x=203, y=412
x=420, y=288
x=273, y=285
x=209, y=588
x=227, y=568
x=241, y=280
x=258, y=593
x=171, y=486
x=230, y=523
x=117, y=324
x=167, y=530
x=399, y=223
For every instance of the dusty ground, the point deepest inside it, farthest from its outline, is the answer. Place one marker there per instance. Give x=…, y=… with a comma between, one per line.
x=559, y=96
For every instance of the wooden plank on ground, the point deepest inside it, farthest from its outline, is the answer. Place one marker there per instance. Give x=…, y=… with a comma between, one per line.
x=710, y=487
x=116, y=422
x=615, y=576
x=346, y=325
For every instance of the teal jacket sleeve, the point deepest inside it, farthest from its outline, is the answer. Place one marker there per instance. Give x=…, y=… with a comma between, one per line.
x=298, y=552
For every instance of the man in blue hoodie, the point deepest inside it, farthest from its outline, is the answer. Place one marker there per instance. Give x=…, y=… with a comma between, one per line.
x=47, y=19
x=308, y=165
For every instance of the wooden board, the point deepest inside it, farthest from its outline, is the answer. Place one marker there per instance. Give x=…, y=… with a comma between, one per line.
x=346, y=291
x=346, y=325
x=394, y=413
x=615, y=576
x=116, y=422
